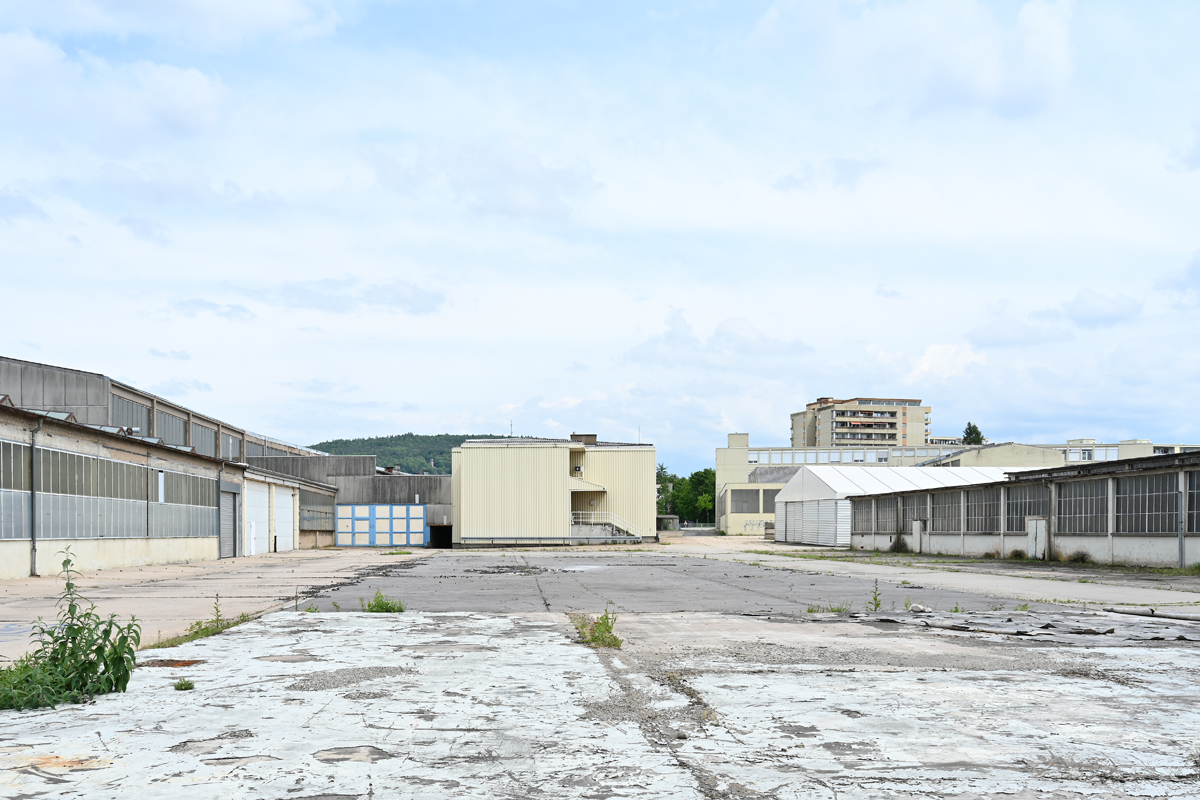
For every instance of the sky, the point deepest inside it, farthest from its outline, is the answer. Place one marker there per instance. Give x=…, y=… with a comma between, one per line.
x=668, y=220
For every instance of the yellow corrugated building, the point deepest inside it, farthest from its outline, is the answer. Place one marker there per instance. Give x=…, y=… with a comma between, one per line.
x=552, y=491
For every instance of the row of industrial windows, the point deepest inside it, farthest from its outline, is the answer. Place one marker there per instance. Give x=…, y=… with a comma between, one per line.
x=1143, y=504
x=173, y=430
x=746, y=501
x=844, y=456
x=66, y=473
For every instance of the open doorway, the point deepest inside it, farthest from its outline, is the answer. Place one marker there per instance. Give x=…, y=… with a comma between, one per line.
x=441, y=536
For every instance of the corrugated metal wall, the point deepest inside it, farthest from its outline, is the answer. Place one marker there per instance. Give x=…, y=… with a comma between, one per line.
x=628, y=475
x=514, y=492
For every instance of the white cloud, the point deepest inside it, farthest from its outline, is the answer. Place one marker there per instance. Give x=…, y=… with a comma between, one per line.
x=942, y=361
x=1091, y=309
x=197, y=23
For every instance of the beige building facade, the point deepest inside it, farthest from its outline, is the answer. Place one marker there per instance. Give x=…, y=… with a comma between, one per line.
x=862, y=422
x=552, y=491
x=745, y=469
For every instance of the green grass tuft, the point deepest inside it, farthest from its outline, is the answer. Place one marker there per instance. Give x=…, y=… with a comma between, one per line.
x=184, y=685
x=380, y=604
x=598, y=632
x=203, y=628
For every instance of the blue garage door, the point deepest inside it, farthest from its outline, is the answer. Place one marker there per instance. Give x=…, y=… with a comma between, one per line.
x=381, y=526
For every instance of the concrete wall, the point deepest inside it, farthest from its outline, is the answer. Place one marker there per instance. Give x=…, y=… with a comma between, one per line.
x=46, y=388
x=1150, y=551
x=94, y=554
x=318, y=468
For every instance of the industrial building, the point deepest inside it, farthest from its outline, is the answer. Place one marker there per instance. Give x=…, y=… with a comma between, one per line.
x=813, y=508
x=1130, y=511
x=552, y=491
x=119, y=499
x=94, y=399
x=832, y=432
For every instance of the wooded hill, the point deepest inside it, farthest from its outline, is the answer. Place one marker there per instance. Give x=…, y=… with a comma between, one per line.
x=411, y=452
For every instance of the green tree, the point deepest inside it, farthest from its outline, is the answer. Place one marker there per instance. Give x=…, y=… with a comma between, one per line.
x=972, y=434
x=704, y=504
x=666, y=490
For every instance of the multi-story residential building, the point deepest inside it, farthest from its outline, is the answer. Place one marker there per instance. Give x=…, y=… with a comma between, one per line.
x=862, y=422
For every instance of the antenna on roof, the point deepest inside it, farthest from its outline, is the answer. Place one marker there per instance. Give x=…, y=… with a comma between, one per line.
x=510, y=429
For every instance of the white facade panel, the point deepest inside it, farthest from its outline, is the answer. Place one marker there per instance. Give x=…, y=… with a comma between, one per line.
x=285, y=527
x=258, y=517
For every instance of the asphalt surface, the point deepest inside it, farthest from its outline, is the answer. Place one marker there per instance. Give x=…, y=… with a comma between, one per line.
x=632, y=582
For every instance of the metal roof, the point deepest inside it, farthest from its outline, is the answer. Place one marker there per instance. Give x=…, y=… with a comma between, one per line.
x=835, y=483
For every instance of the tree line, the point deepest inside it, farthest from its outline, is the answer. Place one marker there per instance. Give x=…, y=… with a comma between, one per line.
x=691, y=498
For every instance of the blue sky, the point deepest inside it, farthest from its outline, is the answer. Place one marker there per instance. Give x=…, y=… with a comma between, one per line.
x=336, y=219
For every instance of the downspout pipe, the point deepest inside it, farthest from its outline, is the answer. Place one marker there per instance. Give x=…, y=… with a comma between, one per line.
x=33, y=499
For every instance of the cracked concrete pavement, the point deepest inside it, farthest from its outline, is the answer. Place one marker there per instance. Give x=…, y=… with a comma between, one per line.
x=728, y=685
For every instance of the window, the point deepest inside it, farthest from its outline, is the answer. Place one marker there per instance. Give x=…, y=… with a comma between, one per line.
x=171, y=429
x=860, y=516
x=823, y=457
x=897, y=453
x=1083, y=507
x=204, y=440
x=1031, y=500
x=752, y=457
x=128, y=414
x=744, y=501
x=1085, y=455
x=910, y=454
x=983, y=510
x=776, y=457
x=787, y=457
x=922, y=453
x=768, y=500
x=860, y=457
x=883, y=456
x=947, y=512
x=1148, y=503
x=810, y=457
x=912, y=508
x=1073, y=454
x=885, y=514
x=872, y=457
x=835, y=457
x=1193, y=490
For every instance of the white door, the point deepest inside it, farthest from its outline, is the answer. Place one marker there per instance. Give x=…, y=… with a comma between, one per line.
x=284, y=519
x=1035, y=529
x=258, y=517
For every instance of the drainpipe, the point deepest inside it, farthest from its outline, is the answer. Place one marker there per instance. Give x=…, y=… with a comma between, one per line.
x=33, y=505
x=220, y=478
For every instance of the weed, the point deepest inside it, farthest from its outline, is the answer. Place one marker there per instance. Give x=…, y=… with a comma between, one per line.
x=380, y=604
x=337, y=606
x=876, y=602
x=184, y=685
x=844, y=606
x=1022, y=607
x=1080, y=557
x=1017, y=555
x=1086, y=580
x=311, y=609
x=996, y=606
x=905, y=583
x=203, y=628
x=598, y=632
x=75, y=659
x=989, y=555
x=398, y=553
x=907, y=602
x=722, y=533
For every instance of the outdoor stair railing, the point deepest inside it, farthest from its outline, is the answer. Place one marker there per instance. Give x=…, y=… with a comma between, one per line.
x=605, y=518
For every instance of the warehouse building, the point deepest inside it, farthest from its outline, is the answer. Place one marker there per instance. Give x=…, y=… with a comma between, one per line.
x=119, y=499
x=94, y=399
x=1142, y=511
x=813, y=508
x=373, y=507
x=552, y=491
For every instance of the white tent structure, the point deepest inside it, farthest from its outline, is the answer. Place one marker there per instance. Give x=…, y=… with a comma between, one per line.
x=813, y=508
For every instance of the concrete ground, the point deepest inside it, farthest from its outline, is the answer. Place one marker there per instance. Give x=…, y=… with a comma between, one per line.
x=733, y=681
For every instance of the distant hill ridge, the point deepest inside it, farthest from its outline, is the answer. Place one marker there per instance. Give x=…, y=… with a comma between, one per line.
x=411, y=452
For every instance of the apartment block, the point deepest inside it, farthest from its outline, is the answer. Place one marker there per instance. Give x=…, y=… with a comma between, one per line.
x=862, y=422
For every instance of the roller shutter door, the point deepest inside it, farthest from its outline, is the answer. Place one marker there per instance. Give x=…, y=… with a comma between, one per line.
x=228, y=524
